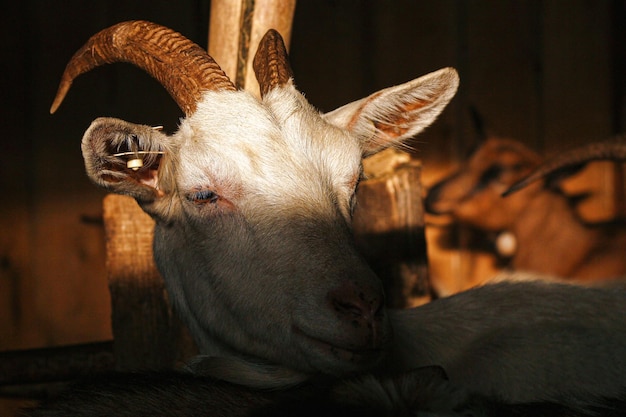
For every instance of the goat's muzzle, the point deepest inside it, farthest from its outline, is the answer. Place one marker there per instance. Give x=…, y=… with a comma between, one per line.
x=360, y=309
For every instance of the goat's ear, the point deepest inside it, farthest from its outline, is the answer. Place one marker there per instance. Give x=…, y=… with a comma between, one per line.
x=124, y=157
x=398, y=113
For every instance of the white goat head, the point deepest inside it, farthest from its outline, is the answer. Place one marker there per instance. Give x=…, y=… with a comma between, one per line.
x=252, y=198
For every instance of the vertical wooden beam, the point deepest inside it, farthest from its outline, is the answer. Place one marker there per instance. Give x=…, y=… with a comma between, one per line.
x=146, y=333
x=224, y=34
x=389, y=227
x=235, y=29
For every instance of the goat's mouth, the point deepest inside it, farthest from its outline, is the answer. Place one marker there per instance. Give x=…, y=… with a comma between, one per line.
x=359, y=358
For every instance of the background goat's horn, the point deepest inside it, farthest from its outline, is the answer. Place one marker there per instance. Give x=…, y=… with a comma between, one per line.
x=614, y=149
x=271, y=63
x=181, y=66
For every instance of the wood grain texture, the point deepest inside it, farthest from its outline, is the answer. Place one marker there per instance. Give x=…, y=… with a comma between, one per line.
x=146, y=333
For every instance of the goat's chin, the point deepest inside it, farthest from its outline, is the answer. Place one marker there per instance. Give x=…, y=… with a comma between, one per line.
x=246, y=371
x=334, y=357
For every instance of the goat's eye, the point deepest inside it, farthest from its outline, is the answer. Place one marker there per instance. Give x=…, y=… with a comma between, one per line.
x=492, y=174
x=202, y=197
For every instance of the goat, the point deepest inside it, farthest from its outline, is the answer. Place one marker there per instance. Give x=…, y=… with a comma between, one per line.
x=252, y=202
x=520, y=341
x=252, y=199
x=540, y=213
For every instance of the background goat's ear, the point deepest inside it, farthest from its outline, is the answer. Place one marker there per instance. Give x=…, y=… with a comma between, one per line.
x=397, y=113
x=124, y=157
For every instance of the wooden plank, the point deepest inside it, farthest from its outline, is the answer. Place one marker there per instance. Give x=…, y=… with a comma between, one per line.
x=35, y=366
x=502, y=75
x=578, y=79
x=146, y=333
x=225, y=19
x=389, y=227
x=578, y=95
x=235, y=30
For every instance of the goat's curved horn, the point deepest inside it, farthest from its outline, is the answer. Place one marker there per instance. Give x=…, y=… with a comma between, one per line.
x=181, y=66
x=614, y=149
x=271, y=62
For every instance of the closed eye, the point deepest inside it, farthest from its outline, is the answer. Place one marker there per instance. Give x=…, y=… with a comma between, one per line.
x=203, y=197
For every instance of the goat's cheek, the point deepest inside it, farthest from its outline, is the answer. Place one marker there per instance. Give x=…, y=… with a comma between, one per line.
x=224, y=205
x=482, y=211
x=452, y=196
x=473, y=210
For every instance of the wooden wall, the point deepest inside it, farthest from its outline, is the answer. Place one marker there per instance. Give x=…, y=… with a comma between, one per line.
x=549, y=73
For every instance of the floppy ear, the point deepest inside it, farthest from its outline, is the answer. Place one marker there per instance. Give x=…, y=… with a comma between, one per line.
x=398, y=113
x=124, y=157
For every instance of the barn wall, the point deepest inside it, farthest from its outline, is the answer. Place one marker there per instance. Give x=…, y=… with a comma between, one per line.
x=544, y=72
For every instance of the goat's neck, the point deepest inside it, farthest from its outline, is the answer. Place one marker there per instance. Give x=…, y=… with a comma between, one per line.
x=550, y=237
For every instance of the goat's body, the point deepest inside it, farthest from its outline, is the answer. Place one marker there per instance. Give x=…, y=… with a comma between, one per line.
x=521, y=342
x=569, y=247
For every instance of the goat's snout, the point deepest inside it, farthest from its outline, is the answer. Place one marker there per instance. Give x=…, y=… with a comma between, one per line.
x=434, y=202
x=361, y=308
x=356, y=303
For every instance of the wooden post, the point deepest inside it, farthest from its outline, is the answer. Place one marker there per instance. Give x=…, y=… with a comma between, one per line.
x=21, y=368
x=236, y=28
x=389, y=226
x=146, y=334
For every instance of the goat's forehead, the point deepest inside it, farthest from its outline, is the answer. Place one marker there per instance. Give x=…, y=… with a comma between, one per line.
x=235, y=134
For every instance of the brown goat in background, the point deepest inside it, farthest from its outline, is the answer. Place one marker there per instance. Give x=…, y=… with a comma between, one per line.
x=537, y=229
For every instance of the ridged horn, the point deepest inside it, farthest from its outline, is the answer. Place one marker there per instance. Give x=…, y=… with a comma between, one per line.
x=180, y=65
x=613, y=149
x=271, y=62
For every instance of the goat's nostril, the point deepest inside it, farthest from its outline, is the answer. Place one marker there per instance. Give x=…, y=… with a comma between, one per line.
x=361, y=314
x=352, y=302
